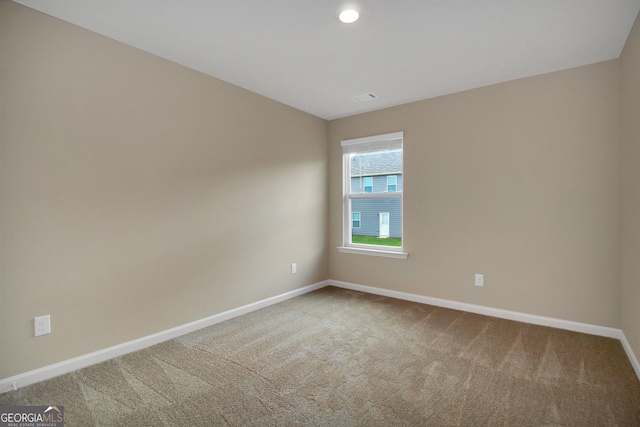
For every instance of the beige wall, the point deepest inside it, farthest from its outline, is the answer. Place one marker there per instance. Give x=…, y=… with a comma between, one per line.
x=630, y=67
x=138, y=195
x=517, y=181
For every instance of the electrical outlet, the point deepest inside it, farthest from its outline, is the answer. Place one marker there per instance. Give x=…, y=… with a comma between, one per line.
x=294, y=268
x=42, y=325
x=479, y=279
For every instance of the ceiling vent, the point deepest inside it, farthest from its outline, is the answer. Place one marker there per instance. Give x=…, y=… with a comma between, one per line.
x=364, y=97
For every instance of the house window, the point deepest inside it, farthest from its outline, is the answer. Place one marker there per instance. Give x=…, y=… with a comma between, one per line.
x=372, y=202
x=392, y=183
x=355, y=219
x=368, y=184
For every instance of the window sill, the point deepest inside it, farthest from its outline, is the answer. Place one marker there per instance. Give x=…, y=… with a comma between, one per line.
x=373, y=252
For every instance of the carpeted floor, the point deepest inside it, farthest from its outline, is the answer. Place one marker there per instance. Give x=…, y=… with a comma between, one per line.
x=335, y=357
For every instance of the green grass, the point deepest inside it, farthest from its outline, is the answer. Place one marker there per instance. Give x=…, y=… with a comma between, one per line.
x=371, y=240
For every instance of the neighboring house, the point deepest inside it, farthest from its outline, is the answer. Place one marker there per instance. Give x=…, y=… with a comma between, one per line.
x=378, y=172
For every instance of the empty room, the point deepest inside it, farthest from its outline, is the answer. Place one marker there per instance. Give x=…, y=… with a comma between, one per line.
x=320, y=212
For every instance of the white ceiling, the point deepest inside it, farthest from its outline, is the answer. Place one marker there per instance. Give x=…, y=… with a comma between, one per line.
x=298, y=53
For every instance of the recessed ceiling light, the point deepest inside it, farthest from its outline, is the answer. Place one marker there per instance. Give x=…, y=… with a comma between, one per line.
x=349, y=16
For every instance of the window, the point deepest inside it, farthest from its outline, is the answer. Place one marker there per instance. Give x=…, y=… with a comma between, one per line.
x=368, y=184
x=372, y=202
x=355, y=219
x=392, y=183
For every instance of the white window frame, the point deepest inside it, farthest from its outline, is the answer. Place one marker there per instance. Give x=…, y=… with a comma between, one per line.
x=369, y=143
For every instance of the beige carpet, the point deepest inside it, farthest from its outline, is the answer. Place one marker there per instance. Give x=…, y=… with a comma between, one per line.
x=342, y=358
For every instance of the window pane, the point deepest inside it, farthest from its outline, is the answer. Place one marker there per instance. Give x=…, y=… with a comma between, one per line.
x=370, y=171
x=380, y=221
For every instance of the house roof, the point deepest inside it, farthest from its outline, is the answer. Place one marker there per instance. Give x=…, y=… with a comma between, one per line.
x=378, y=163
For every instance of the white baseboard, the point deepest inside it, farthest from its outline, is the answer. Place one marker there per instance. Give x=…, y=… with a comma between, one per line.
x=632, y=357
x=487, y=311
x=79, y=362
